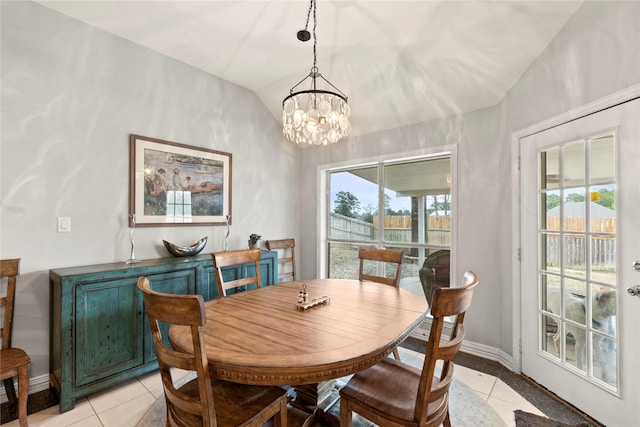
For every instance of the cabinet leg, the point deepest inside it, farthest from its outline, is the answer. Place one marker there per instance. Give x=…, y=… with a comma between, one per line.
x=67, y=405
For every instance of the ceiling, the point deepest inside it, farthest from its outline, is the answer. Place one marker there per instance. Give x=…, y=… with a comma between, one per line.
x=399, y=62
x=412, y=179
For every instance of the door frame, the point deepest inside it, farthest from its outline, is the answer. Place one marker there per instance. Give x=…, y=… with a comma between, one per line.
x=516, y=240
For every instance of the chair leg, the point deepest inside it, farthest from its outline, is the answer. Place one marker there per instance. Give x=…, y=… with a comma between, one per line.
x=23, y=394
x=280, y=420
x=11, y=391
x=346, y=414
x=447, y=421
x=396, y=354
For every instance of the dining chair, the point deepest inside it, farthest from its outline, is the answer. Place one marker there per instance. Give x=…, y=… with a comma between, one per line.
x=380, y=255
x=14, y=362
x=203, y=401
x=225, y=259
x=287, y=261
x=434, y=272
x=366, y=255
x=391, y=393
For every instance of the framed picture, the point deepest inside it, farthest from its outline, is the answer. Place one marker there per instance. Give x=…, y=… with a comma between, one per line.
x=177, y=184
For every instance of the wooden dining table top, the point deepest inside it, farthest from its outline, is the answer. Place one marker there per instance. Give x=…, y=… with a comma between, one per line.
x=262, y=337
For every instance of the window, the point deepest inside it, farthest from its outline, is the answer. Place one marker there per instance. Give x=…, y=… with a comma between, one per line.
x=404, y=205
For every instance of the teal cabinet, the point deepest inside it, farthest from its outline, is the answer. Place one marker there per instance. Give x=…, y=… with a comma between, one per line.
x=99, y=329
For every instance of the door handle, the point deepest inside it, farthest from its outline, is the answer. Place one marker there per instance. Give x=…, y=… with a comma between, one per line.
x=636, y=266
x=634, y=290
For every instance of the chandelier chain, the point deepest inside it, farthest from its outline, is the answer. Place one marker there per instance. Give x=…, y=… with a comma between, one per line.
x=306, y=25
x=315, y=40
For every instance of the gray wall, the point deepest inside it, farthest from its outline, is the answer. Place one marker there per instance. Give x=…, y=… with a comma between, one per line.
x=597, y=53
x=71, y=95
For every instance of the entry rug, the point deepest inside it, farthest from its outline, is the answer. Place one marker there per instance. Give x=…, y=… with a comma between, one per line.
x=466, y=407
x=526, y=419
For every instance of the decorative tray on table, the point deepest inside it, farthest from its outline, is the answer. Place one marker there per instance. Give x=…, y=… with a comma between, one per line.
x=304, y=303
x=314, y=302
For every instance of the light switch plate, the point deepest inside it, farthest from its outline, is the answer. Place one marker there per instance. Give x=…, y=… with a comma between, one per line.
x=64, y=224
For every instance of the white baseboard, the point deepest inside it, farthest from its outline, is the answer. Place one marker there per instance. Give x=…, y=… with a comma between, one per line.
x=475, y=349
x=36, y=384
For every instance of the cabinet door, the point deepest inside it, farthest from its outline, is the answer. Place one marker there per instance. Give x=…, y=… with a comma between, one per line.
x=269, y=268
x=177, y=282
x=108, y=329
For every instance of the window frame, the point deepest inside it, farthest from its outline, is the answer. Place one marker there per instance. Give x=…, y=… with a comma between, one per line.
x=324, y=205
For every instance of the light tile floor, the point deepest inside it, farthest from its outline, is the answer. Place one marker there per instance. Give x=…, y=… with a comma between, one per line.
x=123, y=406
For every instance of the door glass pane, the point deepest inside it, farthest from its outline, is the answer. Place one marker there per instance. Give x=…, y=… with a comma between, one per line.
x=603, y=259
x=574, y=300
x=550, y=164
x=575, y=346
x=551, y=206
x=575, y=255
x=574, y=210
x=550, y=256
x=602, y=209
x=604, y=359
x=551, y=293
x=550, y=326
x=602, y=159
x=578, y=308
x=573, y=164
x=603, y=309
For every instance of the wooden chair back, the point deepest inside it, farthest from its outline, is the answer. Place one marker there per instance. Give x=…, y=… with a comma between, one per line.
x=224, y=259
x=15, y=361
x=380, y=255
x=186, y=310
x=9, y=270
x=391, y=393
x=288, y=259
x=194, y=403
x=447, y=302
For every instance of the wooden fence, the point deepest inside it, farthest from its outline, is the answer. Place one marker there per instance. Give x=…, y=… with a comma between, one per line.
x=603, y=252
x=344, y=227
x=603, y=248
x=397, y=228
x=598, y=225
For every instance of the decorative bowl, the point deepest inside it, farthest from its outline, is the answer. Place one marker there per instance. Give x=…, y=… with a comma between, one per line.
x=190, y=250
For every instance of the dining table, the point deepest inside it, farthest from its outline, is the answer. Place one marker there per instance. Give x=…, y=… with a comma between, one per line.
x=270, y=336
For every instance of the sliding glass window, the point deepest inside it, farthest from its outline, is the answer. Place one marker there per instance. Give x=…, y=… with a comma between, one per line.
x=403, y=205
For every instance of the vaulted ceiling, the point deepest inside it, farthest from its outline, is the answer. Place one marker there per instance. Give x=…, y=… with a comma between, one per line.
x=399, y=62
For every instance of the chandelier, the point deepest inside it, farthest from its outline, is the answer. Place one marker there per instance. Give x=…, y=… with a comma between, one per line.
x=315, y=116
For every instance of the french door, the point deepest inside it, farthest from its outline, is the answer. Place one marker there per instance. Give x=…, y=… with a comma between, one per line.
x=580, y=230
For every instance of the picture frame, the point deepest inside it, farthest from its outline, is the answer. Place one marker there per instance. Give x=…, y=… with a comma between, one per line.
x=177, y=184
